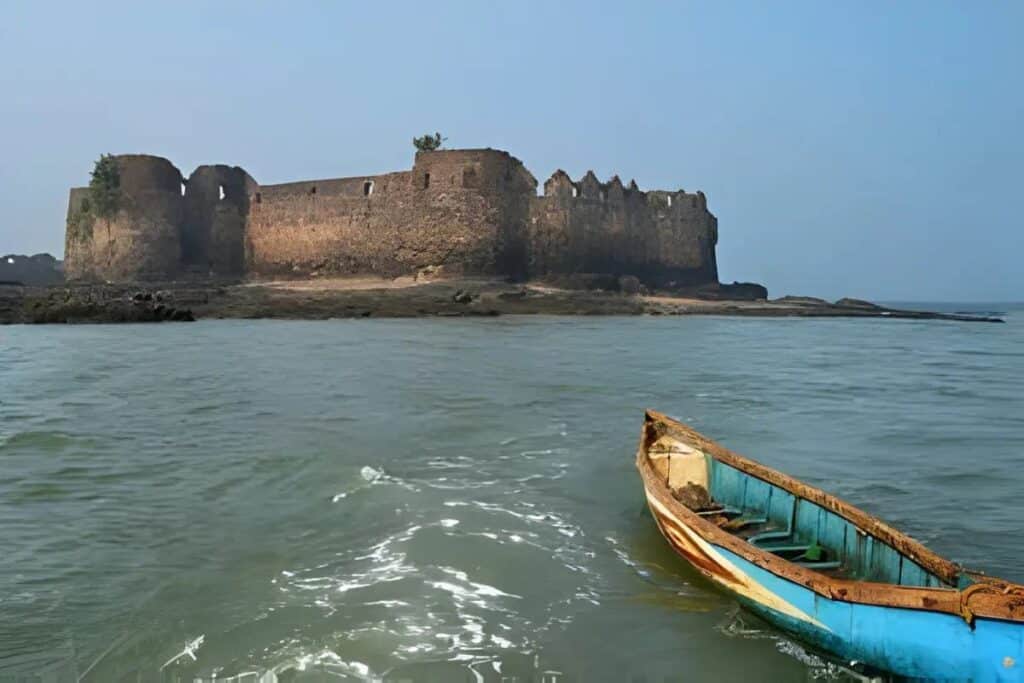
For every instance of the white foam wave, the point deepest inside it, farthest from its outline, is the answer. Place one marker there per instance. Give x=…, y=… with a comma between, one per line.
x=819, y=669
x=465, y=619
x=464, y=591
x=626, y=559
x=388, y=603
x=371, y=477
x=326, y=661
x=549, y=519
x=384, y=564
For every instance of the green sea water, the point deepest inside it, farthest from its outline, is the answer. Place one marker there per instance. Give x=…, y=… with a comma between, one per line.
x=455, y=500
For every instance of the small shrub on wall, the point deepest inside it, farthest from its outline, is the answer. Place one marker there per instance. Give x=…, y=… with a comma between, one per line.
x=105, y=187
x=428, y=142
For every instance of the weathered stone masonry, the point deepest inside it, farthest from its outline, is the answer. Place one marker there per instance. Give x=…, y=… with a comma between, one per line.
x=463, y=211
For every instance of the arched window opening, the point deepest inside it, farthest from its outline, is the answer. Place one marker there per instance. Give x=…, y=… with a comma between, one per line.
x=367, y=188
x=426, y=180
x=575, y=191
x=220, y=192
x=669, y=201
x=312, y=190
x=182, y=189
x=259, y=197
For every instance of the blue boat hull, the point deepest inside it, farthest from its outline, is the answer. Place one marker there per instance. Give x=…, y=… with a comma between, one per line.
x=912, y=643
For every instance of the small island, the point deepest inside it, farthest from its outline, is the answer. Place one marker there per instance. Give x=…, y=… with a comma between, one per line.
x=463, y=232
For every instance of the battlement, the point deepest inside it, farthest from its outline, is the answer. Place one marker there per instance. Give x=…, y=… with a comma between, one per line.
x=664, y=238
x=461, y=211
x=589, y=188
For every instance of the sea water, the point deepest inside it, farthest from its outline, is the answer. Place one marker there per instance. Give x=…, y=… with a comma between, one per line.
x=455, y=500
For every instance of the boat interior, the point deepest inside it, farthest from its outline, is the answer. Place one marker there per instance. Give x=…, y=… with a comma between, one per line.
x=776, y=521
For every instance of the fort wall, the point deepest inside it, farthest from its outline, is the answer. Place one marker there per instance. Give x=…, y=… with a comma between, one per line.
x=462, y=211
x=456, y=211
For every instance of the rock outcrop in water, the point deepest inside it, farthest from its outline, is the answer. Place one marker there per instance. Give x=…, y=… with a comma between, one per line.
x=90, y=304
x=386, y=299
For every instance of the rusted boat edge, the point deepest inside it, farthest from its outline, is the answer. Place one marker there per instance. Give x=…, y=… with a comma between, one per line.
x=987, y=597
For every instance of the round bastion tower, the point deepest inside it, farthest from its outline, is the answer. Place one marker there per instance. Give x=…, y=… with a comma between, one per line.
x=142, y=239
x=217, y=199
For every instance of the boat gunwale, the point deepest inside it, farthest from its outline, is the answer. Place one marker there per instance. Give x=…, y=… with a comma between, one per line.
x=987, y=597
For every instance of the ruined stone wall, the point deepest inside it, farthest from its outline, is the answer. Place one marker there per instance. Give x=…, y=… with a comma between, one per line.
x=457, y=211
x=461, y=210
x=217, y=204
x=78, y=251
x=663, y=238
x=143, y=240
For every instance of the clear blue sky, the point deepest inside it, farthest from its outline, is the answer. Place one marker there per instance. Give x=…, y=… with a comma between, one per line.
x=869, y=149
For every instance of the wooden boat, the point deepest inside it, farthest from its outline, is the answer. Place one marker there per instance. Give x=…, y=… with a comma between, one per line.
x=824, y=571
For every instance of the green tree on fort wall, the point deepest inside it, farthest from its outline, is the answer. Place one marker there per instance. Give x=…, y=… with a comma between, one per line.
x=428, y=143
x=105, y=187
x=102, y=201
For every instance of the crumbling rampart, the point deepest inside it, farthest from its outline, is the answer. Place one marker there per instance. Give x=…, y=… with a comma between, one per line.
x=473, y=211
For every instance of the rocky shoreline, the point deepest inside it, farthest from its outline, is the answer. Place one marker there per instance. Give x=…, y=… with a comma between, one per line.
x=324, y=299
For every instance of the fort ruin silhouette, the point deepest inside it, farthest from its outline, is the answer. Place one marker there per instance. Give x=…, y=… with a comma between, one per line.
x=460, y=211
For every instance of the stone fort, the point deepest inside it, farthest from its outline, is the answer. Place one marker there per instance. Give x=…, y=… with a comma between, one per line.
x=459, y=212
